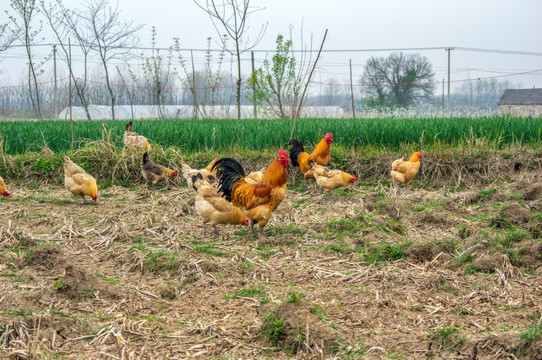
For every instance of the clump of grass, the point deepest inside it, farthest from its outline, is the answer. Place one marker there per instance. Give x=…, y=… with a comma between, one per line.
x=59, y=284
x=386, y=252
x=343, y=227
x=486, y=194
x=319, y=311
x=273, y=328
x=530, y=335
x=251, y=292
x=446, y=335
x=295, y=297
x=209, y=249
x=160, y=260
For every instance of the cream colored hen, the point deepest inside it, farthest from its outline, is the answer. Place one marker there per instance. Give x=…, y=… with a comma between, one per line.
x=78, y=182
x=213, y=208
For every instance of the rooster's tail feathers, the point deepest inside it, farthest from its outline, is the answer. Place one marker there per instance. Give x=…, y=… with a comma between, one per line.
x=145, y=158
x=295, y=149
x=230, y=172
x=129, y=126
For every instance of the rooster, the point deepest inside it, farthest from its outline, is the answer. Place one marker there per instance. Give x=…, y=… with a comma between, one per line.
x=404, y=171
x=257, y=201
x=320, y=155
x=153, y=172
x=213, y=208
x=3, y=188
x=330, y=179
x=78, y=182
x=208, y=173
x=133, y=139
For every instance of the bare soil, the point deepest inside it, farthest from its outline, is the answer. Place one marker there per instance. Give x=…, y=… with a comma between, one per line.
x=443, y=272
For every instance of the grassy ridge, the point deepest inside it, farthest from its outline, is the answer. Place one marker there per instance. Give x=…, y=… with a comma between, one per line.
x=201, y=135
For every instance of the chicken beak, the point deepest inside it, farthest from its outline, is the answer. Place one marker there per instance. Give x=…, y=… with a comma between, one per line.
x=6, y=193
x=95, y=198
x=175, y=173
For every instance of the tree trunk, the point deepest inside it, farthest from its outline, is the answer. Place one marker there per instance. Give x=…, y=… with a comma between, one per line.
x=238, y=79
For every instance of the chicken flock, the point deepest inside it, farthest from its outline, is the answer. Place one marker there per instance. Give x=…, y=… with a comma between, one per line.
x=224, y=193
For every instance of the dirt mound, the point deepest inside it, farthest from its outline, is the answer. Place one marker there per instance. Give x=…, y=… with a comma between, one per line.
x=427, y=252
x=515, y=214
x=489, y=347
x=79, y=284
x=393, y=210
x=291, y=325
x=532, y=256
x=435, y=218
x=490, y=262
x=536, y=230
x=495, y=346
x=46, y=258
x=37, y=335
x=470, y=229
x=468, y=198
x=530, y=191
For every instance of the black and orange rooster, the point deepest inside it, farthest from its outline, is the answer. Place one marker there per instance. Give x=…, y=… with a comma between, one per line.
x=320, y=155
x=256, y=201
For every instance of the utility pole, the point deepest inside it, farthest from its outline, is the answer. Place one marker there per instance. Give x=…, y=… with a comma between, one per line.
x=195, y=111
x=449, y=50
x=352, y=92
x=443, y=94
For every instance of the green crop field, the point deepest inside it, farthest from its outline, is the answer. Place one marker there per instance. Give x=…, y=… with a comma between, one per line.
x=200, y=135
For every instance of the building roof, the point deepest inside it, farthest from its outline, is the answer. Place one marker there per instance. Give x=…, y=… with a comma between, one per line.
x=521, y=97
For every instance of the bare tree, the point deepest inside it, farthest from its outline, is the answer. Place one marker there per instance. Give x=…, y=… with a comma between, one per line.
x=232, y=16
x=109, y=36
x=399, y=79
x=64, y=24
x=26, y=11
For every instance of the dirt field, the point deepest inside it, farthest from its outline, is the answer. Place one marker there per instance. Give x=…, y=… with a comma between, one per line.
x=438, y=273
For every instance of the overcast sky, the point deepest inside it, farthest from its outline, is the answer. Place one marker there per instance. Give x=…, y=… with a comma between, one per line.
x=363, y=24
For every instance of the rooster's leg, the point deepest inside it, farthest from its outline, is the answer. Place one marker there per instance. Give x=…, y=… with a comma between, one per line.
x=85, y=200
x=397, y=188
x=204, y=230
x=217, y=233
x=251, y=234
x=75, y=197
x=261, y=232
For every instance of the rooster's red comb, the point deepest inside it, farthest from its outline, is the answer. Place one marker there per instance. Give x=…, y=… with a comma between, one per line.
x=328, y=135
x=282, y=153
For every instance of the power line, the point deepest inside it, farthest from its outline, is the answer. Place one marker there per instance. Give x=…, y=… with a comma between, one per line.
x=498, y=51
x=509, y=52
